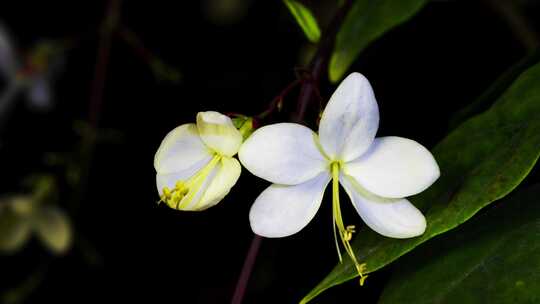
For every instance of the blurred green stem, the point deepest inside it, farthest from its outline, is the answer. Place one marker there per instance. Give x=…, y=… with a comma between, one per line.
x=20, y=293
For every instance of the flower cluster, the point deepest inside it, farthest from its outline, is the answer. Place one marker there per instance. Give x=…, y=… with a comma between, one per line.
x=196, y=169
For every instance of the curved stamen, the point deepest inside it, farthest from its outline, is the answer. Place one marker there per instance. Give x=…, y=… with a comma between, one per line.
x=345, y=233
x=185, y=191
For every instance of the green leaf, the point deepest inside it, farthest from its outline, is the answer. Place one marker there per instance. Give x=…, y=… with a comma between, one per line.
x=481, y=161
x=492, y=259
x=305, y=19
x=366, y=21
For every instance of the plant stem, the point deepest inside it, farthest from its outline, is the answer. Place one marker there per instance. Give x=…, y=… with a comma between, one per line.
x=510, y=13
x=319, y=63
x=275, y=103
x=310, y=88
x=246, y=270
x=100, y=73
x=88, y=143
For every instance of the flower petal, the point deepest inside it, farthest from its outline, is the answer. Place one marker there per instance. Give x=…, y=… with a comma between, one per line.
x=350, y=120
x=8, y=60
x=39, y=93
x=180, y=150
x=394, y=167
x=395, y=218
x=169, y=180
x=284, y=210
x=283, y=153
x=219, y=133
x=14, y=230
x=53, y=228
x=215, y=186
x=228, y=172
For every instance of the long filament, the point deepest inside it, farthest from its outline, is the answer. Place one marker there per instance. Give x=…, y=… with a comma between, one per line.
x=185, y=191
x=345, y=233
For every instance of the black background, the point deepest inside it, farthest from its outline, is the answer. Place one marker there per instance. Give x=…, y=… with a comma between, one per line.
x=421, y=72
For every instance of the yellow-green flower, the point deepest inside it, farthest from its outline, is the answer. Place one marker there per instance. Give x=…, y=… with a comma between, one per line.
x=21, y=216
x=195, y=165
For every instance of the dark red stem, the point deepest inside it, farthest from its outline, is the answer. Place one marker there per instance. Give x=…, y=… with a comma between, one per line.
x=310, y=88
x=104, y=49
x=319, y=64
x=246, y=270
x=274, y=104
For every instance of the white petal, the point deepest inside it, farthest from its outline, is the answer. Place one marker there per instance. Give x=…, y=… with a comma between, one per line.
x=395, y=218
x=219, y=133
x=228, y=172
x=394, y=167
x=8, y=61
x=14, y=230
x=213, y=189
x=180, y=150
x=284, y=153
x=350, y=120
x=284, y=210
x=169, y=179
x=53, y=228
x=39, y=93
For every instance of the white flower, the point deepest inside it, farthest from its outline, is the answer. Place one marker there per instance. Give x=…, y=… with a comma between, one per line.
x=32, y=74
x=377, y=173
x=195, y=165
x=21, y=215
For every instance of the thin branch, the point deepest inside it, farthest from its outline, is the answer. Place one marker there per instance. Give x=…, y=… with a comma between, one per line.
x=240, y=290
x=100, y=74
x=516, y=21
x=319, y=63
x=275, y=103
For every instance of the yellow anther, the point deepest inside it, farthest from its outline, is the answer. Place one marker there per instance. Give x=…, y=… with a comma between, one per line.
x=347, y=234
x=185, y=191
x=362, y=279
x=177, y=196
x=179, y=185
x=166, y=192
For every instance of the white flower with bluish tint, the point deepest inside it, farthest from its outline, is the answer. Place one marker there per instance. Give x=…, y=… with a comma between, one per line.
x=376, y=173
x=32, y=74
x=195, y=165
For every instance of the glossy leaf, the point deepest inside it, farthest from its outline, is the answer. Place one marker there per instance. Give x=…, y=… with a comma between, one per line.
x=481, y=161
x=305, y=19
x=494, y=258
x=366, y=21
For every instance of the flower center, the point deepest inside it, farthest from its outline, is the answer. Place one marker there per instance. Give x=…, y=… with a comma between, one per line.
x=345, y=233
x=184, y=192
